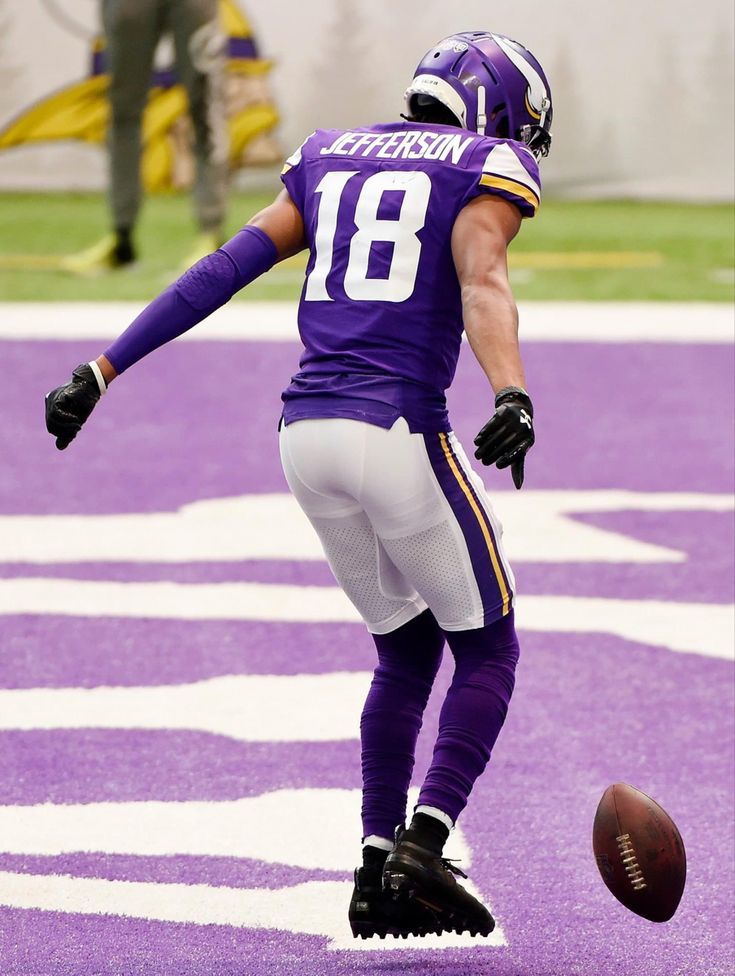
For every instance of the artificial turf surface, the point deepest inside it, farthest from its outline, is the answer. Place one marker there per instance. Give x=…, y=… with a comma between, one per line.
x=611, y=250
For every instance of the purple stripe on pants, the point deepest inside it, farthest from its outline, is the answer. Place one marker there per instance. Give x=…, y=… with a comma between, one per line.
x=455, y=492
x=482, y=503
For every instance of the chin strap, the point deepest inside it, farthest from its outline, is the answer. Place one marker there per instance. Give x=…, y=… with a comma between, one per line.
x=481, y=110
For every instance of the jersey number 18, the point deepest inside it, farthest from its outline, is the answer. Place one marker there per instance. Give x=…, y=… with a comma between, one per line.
x=399, y=285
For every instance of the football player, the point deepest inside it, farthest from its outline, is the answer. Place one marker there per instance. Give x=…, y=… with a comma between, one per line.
x=407, y=227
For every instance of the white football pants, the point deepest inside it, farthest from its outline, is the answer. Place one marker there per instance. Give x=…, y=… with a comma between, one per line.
x=404, y=521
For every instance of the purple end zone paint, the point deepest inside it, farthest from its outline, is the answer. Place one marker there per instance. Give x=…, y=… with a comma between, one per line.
x=171, y=427
x=588, y=709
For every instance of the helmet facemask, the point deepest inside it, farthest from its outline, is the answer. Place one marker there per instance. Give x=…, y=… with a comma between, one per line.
x=538, y=137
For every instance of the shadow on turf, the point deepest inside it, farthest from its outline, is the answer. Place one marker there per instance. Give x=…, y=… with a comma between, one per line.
x=469, y=966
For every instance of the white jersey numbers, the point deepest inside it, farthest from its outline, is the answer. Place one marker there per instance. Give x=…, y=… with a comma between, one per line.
x=401, y=280
x=402, y=233
x=330, y=191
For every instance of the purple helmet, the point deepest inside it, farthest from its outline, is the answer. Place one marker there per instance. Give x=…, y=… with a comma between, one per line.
x=491, y=85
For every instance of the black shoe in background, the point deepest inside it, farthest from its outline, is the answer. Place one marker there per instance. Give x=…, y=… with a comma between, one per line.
x=123, y=252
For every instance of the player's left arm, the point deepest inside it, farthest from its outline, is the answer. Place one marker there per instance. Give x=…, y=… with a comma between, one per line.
x=275, y=233
x=480, y=238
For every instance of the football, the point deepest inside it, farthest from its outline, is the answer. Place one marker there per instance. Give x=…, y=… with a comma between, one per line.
x=639, y=852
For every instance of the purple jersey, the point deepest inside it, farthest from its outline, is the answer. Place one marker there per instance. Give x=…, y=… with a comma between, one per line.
x=380, y=314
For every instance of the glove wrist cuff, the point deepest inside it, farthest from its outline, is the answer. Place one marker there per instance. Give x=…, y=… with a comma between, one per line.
x=98, y=376
x=514, y=393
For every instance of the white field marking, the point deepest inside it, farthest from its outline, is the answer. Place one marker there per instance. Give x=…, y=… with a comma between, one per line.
x=723, y=276
x=258, y=827
x=254, y=828
x=520, y=276
x=248, y=708
x=273, y=526
x=313, y=908
x=707, y=629
x=696, y=628
x=564, y=260
x=176, y=601
x=699, y=322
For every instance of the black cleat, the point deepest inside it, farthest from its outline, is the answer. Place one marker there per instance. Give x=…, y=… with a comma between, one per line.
x=415, y=874
x=374, y=911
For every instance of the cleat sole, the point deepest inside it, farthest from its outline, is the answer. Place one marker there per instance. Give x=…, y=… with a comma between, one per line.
x=367, y=930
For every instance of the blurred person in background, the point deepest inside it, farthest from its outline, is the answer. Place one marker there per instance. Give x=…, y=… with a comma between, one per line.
x=133, y=30
x=407, y=225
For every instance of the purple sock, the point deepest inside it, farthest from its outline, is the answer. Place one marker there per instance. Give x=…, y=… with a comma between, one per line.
x=473, y=712
x=408, y=660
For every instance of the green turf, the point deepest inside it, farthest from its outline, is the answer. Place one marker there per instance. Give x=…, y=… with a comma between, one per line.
x=694, y=244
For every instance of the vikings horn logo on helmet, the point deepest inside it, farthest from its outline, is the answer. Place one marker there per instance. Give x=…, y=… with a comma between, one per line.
x=537, y=97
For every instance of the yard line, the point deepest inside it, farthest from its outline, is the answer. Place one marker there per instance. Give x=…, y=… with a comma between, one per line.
x=245, y=707
x=696, y=628
x=311, y=908
x=539, y=527
x=249, y=321
x=258, y=828
x=582, y=260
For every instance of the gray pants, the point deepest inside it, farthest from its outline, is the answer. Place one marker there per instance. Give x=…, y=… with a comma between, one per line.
x=133, y=29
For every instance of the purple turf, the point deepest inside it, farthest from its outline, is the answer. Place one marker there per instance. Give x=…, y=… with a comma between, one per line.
x=588, y=709
x=182, y=425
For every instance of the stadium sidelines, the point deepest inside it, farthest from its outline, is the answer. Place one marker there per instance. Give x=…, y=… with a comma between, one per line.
x=276, y=321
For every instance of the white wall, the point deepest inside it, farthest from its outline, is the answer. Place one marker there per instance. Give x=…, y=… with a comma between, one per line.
x=643, y=89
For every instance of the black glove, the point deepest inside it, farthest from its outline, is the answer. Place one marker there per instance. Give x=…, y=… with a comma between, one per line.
x=68, y=406
x=508, y=436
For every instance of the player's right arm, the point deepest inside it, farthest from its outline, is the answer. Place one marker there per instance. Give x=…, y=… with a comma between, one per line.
x=277, y=232
x=482, y=232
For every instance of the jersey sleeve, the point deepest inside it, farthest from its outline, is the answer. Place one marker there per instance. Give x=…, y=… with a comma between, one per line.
x=293, y=175
x=509, y=170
